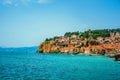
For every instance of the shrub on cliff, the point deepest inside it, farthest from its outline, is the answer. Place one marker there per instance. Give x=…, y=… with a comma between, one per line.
x=56, y=51
x=39, y=51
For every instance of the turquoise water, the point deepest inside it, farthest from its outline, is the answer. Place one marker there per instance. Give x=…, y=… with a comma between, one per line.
x=24, y=64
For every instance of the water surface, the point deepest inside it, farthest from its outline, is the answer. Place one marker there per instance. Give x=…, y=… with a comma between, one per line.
x=25, y=64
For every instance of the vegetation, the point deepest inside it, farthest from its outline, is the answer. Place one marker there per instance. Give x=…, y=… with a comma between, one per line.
x=93, y=33
x=47, y=42
x=56, y=51
x=39, y=51
x=71, y=33
x=48, y=39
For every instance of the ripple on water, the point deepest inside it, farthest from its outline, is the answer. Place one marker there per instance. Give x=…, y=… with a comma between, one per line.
x=57, y=67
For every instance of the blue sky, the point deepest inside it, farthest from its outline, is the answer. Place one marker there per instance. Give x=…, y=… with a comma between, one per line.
x=29, y=22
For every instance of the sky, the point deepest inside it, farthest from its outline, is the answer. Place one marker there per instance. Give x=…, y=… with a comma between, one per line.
x=29, y=22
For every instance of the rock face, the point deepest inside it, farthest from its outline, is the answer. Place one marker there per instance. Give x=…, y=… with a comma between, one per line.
x=117, y=57
x=87, y=42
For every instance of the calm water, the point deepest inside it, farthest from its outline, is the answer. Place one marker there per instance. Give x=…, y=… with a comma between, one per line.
x=24, y=64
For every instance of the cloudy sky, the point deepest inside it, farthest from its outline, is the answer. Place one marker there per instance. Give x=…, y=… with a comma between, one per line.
x=29, y=22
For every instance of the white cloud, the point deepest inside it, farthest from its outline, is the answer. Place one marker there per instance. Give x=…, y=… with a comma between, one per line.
x=9, y=2
x=24, y=2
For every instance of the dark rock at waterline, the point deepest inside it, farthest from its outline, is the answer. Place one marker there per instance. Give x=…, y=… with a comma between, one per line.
x=117, y=57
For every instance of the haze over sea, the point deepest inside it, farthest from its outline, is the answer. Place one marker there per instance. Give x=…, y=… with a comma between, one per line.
x=25, y=64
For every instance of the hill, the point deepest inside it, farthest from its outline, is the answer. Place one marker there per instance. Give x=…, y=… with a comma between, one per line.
x=104, y=41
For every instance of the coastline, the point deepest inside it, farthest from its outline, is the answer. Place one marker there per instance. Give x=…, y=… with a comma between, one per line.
x=91, y=42
x=106, y=55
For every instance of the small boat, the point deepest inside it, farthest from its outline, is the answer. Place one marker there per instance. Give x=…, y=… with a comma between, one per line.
x=117, y=57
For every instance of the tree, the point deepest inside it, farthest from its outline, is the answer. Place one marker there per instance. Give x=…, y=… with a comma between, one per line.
x=68, y=34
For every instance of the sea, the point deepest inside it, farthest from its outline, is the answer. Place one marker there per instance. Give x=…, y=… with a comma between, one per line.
x=25, y=64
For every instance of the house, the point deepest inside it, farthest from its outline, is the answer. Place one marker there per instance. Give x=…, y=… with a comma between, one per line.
x=117, y=35
x=107, y=40
x=112, y=34
x=73, y=42
x=74, y=36
x=64, y=49
x=84, y=42
x=112, y=38
x=71, y=50
x=63, y=39
x=92, y=49
x=100, y=39
x=67, y=49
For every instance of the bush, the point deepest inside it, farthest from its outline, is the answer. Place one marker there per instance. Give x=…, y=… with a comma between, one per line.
x=39, y=51
x=56, y=51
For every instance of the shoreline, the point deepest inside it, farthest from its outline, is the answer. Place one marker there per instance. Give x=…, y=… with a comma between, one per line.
x=106, y=55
